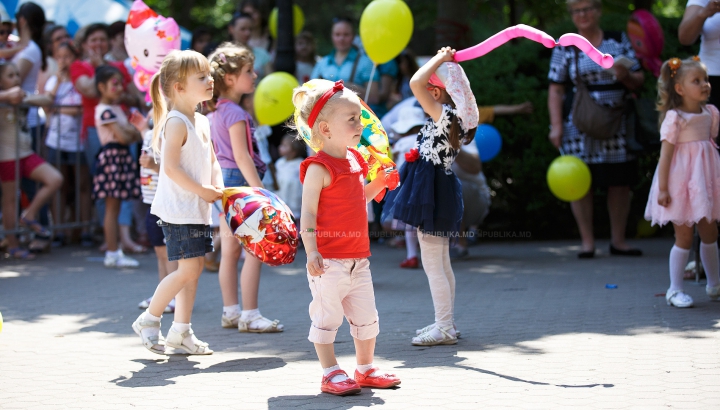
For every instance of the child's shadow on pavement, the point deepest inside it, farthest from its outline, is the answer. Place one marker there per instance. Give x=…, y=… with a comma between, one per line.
x=323, y=400
x=159, y=372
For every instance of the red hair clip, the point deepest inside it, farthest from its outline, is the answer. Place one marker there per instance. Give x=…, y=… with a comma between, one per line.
x=338, y=87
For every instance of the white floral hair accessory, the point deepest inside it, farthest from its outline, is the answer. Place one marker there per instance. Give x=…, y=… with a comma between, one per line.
x=458, y=86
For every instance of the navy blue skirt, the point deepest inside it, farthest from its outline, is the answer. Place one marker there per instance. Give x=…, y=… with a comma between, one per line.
x=427, y=198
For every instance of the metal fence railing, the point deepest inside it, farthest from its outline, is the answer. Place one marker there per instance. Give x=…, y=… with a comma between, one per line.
x=21, y=114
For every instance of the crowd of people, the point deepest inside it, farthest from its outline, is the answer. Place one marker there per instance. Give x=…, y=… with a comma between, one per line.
x=153, y=175
x=60, y=96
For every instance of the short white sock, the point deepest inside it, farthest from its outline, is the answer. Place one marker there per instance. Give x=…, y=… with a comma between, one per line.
x=255, y=320
x=709, y=258
x=362, y=368
x=678, y=260
x=115, y=253
x=149, y=316
x=180, y=327
x=189, y=341
x=337, y=377
x=249, y=315
x=231, y=311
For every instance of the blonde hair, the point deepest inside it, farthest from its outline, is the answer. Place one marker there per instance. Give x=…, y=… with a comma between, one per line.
x=668, y=98
x=305, y=97
x=176, y=68
x=228, y=58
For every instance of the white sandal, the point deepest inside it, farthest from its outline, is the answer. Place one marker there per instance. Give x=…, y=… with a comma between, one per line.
x=175, y=340
x=427, y=339
x=150, y=342
x=678, y=298
x=273, y=327
x=229, y=322
x=428, y=328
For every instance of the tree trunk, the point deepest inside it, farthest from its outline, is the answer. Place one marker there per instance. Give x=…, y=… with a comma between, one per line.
x=285, y=58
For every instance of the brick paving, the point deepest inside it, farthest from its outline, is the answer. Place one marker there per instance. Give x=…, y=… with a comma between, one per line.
x=540, y=330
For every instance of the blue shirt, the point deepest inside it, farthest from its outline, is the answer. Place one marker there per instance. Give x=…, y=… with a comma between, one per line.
x=327, y=69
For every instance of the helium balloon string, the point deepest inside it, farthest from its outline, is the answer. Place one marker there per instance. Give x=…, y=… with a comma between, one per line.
x=372, y=74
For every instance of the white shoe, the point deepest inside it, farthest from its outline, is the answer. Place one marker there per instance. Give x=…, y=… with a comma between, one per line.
x=119, y=260
x=428, y=328
x=678, y=298
x=170, y=308
x=429, y=338
x=175, y=340
x=145, y=303
x=713, y=292
x=229, y=322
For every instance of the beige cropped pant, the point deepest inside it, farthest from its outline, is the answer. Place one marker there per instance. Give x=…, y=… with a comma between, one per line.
x=345, y=289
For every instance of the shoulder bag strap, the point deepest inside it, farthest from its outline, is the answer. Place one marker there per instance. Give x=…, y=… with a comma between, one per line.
x=355, y=64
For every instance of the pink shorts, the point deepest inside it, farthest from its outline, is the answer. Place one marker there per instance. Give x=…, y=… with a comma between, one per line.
x=27, y=166
x=345, y=289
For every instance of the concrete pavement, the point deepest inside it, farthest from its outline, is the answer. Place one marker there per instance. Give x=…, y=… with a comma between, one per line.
x=539, y=327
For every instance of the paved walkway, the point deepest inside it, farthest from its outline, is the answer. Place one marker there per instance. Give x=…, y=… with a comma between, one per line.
x=540, y=330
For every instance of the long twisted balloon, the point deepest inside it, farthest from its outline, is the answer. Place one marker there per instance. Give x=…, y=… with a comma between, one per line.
x=531, y=33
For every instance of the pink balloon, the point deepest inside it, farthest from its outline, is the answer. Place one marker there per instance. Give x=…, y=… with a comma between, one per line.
x=604, y=60
x=571, y=39
x=149, y=37
x=521, y=30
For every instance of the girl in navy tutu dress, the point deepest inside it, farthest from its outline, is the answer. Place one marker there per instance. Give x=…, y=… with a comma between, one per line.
x=430, y=196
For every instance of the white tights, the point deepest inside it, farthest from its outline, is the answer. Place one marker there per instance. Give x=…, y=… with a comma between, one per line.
x=435, y=254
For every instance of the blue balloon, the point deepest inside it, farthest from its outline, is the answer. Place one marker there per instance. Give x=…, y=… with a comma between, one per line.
x=488, y=141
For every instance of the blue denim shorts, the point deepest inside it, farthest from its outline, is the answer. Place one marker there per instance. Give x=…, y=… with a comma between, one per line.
x=232, y=177
x=186, y=241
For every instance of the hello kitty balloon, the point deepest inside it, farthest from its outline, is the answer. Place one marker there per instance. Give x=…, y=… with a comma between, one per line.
x=148, y=39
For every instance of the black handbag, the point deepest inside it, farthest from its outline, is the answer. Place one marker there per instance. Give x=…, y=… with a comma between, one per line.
x=592, y=119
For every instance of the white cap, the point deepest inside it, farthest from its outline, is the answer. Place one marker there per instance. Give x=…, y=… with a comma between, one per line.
x=408, y=117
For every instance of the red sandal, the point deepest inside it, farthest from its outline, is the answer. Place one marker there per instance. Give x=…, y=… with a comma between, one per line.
x=383, y=381
x=343, y=388
x=410, y=263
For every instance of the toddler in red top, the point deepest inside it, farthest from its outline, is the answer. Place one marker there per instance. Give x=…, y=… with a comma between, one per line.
x=335, y=233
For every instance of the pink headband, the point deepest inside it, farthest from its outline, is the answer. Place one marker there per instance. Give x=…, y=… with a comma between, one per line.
x=338, y=87
x=435, y=80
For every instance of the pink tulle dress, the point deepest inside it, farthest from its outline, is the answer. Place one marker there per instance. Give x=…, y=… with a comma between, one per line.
x=694, y=177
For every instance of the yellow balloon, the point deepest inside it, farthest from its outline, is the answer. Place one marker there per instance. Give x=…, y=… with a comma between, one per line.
x=385, y=29
x=569, y=178
x=1, y=322
x=273, y=98
x=645, y=229
x=298, y=21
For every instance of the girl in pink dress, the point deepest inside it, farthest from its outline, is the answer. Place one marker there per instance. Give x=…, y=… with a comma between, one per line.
x=686, y=186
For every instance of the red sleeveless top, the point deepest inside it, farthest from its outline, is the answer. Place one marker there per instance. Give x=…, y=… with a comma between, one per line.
x=342, y=224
